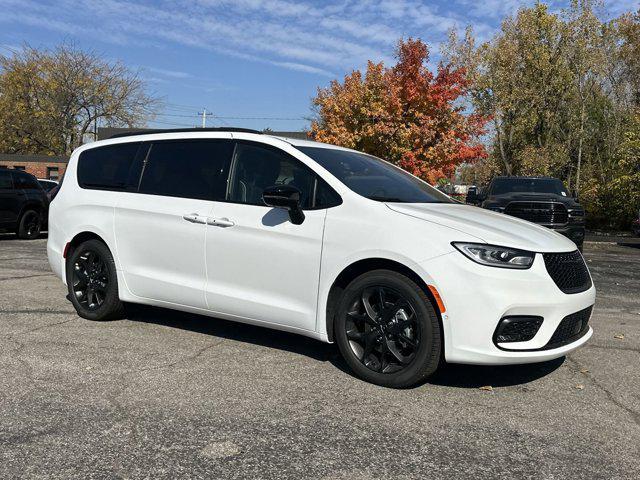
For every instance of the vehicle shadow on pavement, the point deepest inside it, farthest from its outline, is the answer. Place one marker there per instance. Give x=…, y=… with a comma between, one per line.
x=461, y=376
x=476, y=376
x=240, y=332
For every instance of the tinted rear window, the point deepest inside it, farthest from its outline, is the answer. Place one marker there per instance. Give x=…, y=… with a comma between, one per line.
x=5, y=180
x=190, y=169
x=108, y=167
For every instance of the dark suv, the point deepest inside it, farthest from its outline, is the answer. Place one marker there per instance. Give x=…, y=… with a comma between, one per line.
x=23, y=204
x=540, y=200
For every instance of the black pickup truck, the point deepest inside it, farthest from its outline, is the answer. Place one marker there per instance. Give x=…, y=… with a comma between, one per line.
x=540, y=200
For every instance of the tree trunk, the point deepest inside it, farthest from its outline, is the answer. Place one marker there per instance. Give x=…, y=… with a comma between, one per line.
x=580, y=140
x=503, y=153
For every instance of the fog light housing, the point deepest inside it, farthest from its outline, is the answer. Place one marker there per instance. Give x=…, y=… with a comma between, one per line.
x=517, y=328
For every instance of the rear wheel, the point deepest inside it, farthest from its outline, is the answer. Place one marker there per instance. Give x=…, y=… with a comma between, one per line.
x=93, y=283
x=387, y=330
x=30, y=225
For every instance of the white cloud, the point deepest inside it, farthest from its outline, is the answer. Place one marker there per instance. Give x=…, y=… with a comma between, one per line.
x=322, y=38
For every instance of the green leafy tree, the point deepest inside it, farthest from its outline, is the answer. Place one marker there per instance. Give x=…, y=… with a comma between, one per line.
x=50, y=100
x=563, y=93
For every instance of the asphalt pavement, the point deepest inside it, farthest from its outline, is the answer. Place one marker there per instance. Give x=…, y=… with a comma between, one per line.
x=164, y=394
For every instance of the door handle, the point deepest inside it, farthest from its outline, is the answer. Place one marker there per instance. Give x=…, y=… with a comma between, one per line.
x=220, y=222
x=194, y=218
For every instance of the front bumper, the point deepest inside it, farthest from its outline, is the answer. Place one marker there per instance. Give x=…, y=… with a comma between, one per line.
x=476, y=297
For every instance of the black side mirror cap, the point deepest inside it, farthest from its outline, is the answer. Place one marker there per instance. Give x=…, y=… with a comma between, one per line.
x=287, y=197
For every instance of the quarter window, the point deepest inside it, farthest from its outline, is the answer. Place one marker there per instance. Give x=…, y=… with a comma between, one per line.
x=108, y=168
x=190, y=169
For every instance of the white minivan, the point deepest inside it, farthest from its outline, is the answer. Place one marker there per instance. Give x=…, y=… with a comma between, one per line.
x=318, y=240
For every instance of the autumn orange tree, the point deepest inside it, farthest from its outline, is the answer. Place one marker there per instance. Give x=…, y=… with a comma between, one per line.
x=404, y=114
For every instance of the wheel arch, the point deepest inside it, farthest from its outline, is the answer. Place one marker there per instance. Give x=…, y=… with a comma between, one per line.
x=31, y=205
x=357, y=268
x=77, y=240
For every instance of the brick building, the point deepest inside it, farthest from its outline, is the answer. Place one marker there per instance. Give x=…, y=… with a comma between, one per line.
x=41, y=166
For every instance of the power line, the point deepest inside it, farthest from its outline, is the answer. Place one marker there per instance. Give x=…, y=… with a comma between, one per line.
x=173, y=124
x=200, y=114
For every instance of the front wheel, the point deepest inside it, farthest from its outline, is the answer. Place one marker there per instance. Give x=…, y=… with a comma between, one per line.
x=387, y=330
x=93, y=283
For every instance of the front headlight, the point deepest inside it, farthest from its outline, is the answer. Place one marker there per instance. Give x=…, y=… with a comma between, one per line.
x=495, y=256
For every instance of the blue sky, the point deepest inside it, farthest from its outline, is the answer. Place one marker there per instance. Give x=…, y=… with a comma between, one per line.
x=247, y=58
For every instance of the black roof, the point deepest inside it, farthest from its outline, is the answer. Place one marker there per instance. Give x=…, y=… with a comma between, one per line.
x=183, y=130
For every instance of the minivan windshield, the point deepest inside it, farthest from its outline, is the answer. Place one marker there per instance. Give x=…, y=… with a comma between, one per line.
x=374, y=178
x=501, y=186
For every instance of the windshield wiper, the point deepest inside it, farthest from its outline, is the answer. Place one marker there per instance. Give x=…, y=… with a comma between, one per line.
x=386, y=199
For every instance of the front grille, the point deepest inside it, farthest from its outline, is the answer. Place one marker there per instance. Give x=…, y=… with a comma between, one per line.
x=548, y=213
x=517, y=329
x=571, y=328
x=568, y=271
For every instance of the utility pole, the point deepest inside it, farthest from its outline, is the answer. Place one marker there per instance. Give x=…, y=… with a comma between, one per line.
x=204, y=118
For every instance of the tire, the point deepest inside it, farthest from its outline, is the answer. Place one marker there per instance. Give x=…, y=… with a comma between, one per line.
x=29, y=225
x=93, y=283
x=397, y=346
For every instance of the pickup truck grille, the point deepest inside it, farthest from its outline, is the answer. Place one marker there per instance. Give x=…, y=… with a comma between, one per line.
x=547, y=213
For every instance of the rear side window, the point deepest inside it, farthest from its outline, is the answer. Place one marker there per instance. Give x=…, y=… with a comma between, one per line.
x=189, y=169
x=23, y=181
x=5, y=180
x=108, y=168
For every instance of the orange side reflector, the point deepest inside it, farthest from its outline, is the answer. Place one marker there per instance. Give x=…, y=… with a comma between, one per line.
x=438, y=298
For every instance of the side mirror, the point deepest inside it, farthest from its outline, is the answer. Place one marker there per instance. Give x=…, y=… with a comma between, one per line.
x=472, y=197
x=287, y=197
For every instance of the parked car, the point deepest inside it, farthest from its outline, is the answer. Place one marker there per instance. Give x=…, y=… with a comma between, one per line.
x=47, y=185
x=318, y=240
x=23, y=204
x=541, y=200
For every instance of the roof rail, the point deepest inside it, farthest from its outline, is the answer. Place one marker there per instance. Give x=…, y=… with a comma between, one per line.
x=183, y=130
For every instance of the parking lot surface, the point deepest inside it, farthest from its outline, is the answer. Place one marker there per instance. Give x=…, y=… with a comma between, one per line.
x=164, y=394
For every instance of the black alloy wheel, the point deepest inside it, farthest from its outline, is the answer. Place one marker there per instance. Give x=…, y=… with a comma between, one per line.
x=90, y=280
x=387, y=329
x=93, y=282
x=30, y=225
x=382, y=329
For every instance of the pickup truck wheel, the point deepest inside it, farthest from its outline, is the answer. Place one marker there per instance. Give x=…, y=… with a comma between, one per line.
x=29, y=225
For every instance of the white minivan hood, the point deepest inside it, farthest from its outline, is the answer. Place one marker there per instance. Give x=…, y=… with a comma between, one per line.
x=490, y=227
